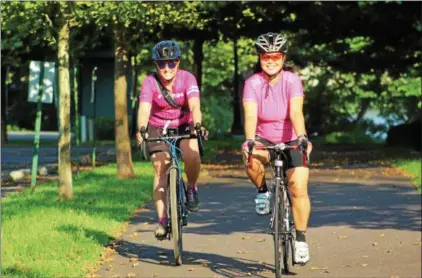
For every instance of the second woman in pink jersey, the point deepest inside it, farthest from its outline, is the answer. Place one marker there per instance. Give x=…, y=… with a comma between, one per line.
x=273, y=101
x=158, y=114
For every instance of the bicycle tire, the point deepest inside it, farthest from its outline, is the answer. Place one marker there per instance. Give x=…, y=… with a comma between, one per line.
x=285, y=229
x=176, y=223
x=277, y=231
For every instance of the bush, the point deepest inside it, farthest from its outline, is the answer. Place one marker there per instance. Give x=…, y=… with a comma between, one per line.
x=217, y=114
x=343, y=137
x=104, y=128
x=358, y=135
x=16, y=128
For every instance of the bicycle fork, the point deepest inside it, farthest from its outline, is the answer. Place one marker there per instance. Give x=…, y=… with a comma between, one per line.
x=182, y=196
x=279, y=182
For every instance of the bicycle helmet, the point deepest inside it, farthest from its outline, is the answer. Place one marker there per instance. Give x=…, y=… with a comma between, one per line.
x=166, y=50
x=271, y=42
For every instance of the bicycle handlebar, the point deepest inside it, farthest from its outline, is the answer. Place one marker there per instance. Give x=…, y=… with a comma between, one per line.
x=277, y=147
x=145, y=137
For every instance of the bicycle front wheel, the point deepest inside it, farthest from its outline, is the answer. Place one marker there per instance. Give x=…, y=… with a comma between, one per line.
x=287, y=243
x=176, y=223
x=278, y=226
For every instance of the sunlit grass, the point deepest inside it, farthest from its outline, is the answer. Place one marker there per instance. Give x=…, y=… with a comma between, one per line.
x=42, y=237
x=413, y=168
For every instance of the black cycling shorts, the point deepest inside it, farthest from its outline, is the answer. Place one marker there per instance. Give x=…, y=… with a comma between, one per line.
x=294, y=157
x=161, y=146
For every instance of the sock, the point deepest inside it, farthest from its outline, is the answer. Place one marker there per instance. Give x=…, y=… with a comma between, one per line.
x=194, y=188
x=263, y=188
x=163, y=220
x=300, y=236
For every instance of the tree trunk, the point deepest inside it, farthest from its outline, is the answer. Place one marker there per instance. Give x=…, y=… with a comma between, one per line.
x=198, y=57
x=237, y=124
x=65, y=170
x=123, y=151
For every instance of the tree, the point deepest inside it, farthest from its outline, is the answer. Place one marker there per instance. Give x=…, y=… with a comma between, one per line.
x=15, y=40
x=64, y=17
x=133, y=23
x=121, y=127
x=50, y=27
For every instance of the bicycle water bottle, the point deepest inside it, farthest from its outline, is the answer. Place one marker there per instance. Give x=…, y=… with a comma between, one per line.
x=262, y=203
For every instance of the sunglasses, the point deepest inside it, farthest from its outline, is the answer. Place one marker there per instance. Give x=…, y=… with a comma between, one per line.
x=272, y=57
x=171, y=64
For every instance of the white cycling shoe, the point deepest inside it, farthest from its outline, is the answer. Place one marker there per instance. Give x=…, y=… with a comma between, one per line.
x=301, y=255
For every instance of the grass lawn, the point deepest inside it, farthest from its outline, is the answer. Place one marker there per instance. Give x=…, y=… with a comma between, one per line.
x=411, y=167
x=45, y=238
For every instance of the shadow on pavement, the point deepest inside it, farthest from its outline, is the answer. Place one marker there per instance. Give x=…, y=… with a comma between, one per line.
x=220, y=265
x=228, y=208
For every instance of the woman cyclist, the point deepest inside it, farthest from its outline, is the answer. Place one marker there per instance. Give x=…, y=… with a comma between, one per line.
x=273, y=101
x=169, y=101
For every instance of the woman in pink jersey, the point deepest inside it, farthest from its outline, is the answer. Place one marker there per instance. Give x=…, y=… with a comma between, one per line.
x=273, y=101
x=157, y=113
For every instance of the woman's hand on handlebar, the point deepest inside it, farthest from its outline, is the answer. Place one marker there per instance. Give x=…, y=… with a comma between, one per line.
x=139, y=138
x=204, y=131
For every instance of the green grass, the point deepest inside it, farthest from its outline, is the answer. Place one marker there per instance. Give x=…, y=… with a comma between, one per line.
x=350, y=138
x=413, y=168
x=45, y=238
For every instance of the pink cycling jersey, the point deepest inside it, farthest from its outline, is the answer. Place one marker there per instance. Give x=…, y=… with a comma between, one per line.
x=184, y=88
x=273, y=101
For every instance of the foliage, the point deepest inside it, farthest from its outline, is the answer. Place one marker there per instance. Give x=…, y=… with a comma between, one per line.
x=16, y=128
x=216, y=114
x=355, y=137
x=20, y=38
x=104, y=128
x=352, y=57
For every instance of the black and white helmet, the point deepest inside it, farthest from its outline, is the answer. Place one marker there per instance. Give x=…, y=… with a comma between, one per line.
x=271, y=42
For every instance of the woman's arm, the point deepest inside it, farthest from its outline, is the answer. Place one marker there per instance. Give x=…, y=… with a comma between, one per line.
x=195, y=108
x=144, y=112
x=251, y=118
x=296, y=115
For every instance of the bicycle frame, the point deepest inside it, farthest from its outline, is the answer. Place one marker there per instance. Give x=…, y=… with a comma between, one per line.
x=281, y=225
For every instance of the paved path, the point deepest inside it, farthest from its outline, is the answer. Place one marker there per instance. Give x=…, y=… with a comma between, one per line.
x=21, y=157
x=18, y=157
x=362, y=225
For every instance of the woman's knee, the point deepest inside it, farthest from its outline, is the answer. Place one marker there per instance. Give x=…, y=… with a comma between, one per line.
x=160, y=163
x=298, y=190
x=190, y=151
x=192, y=158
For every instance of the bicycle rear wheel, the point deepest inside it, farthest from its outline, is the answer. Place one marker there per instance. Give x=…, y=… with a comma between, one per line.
x=176, y=223
x=277, y=222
